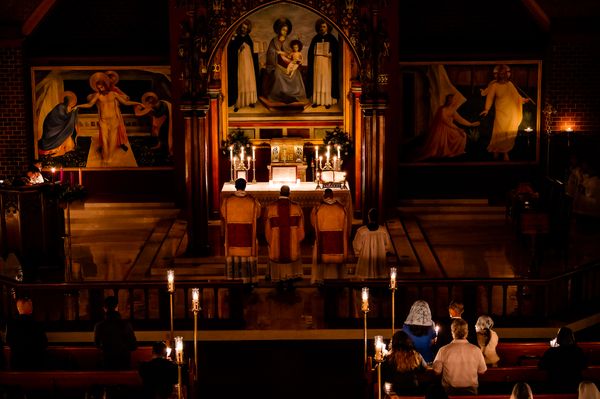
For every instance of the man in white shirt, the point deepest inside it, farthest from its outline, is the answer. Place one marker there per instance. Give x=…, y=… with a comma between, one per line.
x=459, y=362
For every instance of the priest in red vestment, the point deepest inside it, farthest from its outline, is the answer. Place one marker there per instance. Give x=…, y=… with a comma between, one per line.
x=284, y=230
x=240, y=213
x=331, y=239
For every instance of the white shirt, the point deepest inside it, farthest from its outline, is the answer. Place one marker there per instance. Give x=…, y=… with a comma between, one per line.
x=459, y=362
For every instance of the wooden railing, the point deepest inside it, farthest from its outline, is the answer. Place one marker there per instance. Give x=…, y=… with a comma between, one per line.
x=525, y=300
x=78, y=306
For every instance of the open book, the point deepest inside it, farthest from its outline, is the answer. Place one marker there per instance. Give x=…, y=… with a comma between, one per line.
x=322, y=48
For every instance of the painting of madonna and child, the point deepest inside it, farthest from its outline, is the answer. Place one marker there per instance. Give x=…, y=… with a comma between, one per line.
x=102, y=117
x=475, y=112
x=283, y=58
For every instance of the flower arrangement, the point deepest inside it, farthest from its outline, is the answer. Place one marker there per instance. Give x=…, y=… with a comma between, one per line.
x=69, y=193
x=338, y=137
x=238, y=139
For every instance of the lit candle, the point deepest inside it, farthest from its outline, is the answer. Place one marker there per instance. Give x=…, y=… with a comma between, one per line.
x=327, y=158
x=321, y=162
x=569, y=129
x=242, y=153
x=338, y=148
x=528, y=129
x=195, y=299
x=80, y=177
x=388, y=388
x=179, y=349
x=231, y=154
x=379, y=348
x=168, y=350
x=328, y=150
x=437, y=329
x=365, y=299
x=53, y=170
x=393, y=272
x=316, y=151
x=318, y=176
x=249, y=159
x=253, y=153
x=171, y=281
x=335, y=162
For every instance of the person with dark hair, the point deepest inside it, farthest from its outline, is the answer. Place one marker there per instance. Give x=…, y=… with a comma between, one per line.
x=295, y=57
x=459, y=362
x=242, y=68
x=330, y=251
x=487, y=339
x=444, y=334
x=402, y=365
x=322, y=84
x=521, y=390
x=114, y=337
x=371, y=245
x=284, y=230
x=26, y=338
x=159, y=374
x=419, y=327
x=240, y=213
x=564, y=362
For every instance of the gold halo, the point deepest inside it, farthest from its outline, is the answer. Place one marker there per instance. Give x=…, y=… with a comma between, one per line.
x=113, y=77
x=147, y=96
x=99, y=77
x=72, y=98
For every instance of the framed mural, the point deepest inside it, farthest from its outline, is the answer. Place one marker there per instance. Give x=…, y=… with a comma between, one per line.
x=102, y=117
x=454, y=112
x=284, y=64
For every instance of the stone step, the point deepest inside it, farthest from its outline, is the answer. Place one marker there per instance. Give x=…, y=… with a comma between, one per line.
x=94, y=213
x=128, y=205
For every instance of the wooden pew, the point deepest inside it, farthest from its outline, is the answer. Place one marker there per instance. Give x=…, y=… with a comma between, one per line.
x=528, y=353
x=83, y=357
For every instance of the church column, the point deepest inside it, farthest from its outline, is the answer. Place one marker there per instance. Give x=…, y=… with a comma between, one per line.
x=373, y=152
x=196, y=177
x=358, y=136
x=214, y=92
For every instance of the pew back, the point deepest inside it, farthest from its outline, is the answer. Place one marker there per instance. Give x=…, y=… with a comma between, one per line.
x=527, y=353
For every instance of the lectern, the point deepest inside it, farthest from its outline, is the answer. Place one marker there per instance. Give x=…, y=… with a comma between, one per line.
x=32, y=227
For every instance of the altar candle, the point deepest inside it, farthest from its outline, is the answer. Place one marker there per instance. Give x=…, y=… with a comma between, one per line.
x=328, y=149
x=327, y=158
x=335, y=162
x=338, y=148
x=316, y=151
x=53, y=170
x=249, y=159
x=80, y=177
x=231, y=154
x=321, y=162
x=253, y=153
x=242, y=153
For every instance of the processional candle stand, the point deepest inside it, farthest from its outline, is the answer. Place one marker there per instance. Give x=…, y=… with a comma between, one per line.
x=179, y=360
x=231, y=163
x=171, y=289
x=379, y=356
x=393, y=272
x=195, y=309
x=365, y=310
x=253, y=164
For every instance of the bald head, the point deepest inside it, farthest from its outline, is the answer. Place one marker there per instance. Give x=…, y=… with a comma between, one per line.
x=328, y=193
x=284, y=191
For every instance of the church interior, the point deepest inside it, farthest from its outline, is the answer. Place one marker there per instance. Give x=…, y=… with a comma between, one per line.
x=467, y=133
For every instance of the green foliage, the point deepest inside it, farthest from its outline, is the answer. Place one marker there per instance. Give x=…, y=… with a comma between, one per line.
x=339, y=137
x=70, y=193
x=238, y=139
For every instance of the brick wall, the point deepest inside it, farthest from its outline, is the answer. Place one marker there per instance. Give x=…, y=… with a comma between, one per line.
x=573, y=84
x=13, y=131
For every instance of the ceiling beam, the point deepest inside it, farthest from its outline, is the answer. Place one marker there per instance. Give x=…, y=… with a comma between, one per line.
x=538, y=14
x=37, y=16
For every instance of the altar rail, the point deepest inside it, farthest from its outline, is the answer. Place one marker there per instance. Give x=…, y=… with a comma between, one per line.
x=78, y=306
x=522, y=301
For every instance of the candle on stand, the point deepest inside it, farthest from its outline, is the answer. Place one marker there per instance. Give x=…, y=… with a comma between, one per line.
x=253, y=153
x=242, y=153
x=365, y=299
x=179, y=349
x=327, y=158
x=231, y=154
x=338, y=148
x=249, y=159
x=80, y=177
x=317, y=152
x=335, y=162
x=53, y=170
x=379, y=344
x=171, y=281
x=437, y=329
x=320, y=161
x=393, y=272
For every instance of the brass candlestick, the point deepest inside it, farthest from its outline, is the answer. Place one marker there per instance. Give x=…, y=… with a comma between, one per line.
x=171, y=289
x=179, y=360
x=195, y=309
x=365, y=310
x=393, y=272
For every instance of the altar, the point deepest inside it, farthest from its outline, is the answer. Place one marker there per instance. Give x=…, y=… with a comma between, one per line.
x=304, y=193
